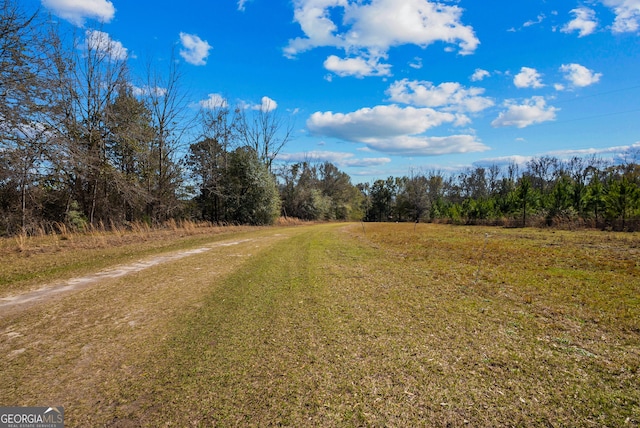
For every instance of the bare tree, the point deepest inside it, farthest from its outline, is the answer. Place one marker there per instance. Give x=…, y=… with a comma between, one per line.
x=21, y=104
x=167, y=102
x=265, y=131
x=130, y=135
x=85, y=80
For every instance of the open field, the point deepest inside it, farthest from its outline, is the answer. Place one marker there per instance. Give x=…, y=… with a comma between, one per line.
x=332, y=325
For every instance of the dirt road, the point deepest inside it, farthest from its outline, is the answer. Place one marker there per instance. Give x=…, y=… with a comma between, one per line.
x=17, y=302
x=74, y=342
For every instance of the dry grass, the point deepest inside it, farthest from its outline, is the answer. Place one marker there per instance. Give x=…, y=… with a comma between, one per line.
x=291, y=221
x=28, y=261
x=79, y=350
x=326, y=326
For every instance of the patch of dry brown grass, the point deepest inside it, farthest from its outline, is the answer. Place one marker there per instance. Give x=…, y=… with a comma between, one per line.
x=28, y=261
x=291, y=221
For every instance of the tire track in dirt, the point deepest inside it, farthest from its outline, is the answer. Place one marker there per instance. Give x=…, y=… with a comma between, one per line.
x=43, y=294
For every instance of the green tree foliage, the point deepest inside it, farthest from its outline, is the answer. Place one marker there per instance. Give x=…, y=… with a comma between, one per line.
x=319, y=192
x=250, y=190
x=561, y=202
x=594, y=196
x=296, y=189
x=382, y=199
x=622, y=197
x=549, y=191
x=208, y=160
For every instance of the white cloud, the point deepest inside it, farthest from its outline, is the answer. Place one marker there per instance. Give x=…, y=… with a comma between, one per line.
x=428, y=146
x=241, y=4
x=147, y=90
x=593, y=151
x=358, y=67
x=266, y=105
x=580, y=75
x=369, y=30
x=504, y=161
x=395, y=130
x=450, y=96
x=479, y=75
x=533, y=110
x=194, y=50
x=615, y=153
x=78, y=11
x=340, y=159
x=627, y=15
x=101, y=42
x=385, y=23
x=213, y=102
x=584, y=22
x=367, y=124
x=416, y=63
x=537, y=21
x=528, y=78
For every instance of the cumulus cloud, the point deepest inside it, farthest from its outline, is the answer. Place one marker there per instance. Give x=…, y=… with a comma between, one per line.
x=528, y=78
x=627, y=15
x=580, y=75
x=531, y=111
x=370, y=29
x=78, y=11
x=194, y=50
x=394, y=130
x=384, y=23
x=449, y=96
x=479, y=75
x=101, y=42
x=368, y=124
x=340, y=159
x=358, y=67
x=584, y=22
x=266, y=105
x=214, y=101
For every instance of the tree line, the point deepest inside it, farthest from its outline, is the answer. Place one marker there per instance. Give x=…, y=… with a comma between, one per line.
x=85, y=142
x=546, y=191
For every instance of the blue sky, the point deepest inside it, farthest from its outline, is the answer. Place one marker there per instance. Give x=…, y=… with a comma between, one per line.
x=386, y=87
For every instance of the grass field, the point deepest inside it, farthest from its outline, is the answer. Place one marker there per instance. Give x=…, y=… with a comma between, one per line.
x=336, y=325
